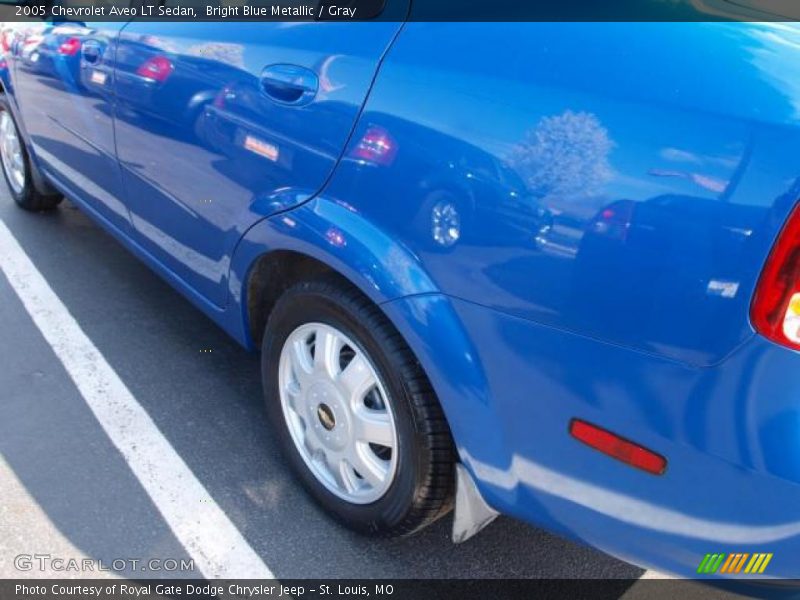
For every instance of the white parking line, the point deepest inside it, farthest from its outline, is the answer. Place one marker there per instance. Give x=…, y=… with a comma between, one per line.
x=207, y=534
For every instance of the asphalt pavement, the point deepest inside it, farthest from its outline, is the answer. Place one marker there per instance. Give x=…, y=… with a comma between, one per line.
x=67, y=490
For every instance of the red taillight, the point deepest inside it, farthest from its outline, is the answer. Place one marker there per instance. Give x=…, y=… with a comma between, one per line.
x=70, y=47
x=775, y=311
x=376, y=146
x=616, y=447
x=157, y=68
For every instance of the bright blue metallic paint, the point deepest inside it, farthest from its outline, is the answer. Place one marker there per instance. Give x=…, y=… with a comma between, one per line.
x=701, y=165
x=618, y=324
x=335, y=234
x=730, y=434
x=70, y=127
x=619, y=188
x=191, y=210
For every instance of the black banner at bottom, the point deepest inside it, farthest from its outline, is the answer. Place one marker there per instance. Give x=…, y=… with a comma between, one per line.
x=390, y=589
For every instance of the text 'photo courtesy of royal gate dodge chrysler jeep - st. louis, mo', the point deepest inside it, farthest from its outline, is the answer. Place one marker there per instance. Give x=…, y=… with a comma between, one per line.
x=545, y=270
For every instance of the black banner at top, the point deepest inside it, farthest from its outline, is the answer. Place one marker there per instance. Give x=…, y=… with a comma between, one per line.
x=402, y=10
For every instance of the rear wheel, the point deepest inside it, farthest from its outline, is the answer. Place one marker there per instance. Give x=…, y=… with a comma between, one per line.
x=17, y=167
x=357, y=417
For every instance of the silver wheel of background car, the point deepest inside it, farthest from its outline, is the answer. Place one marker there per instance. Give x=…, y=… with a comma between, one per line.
x=338, y=413
x=445, y=223
x=11, y=153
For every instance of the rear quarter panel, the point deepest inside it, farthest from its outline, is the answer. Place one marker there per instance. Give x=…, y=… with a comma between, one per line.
x=539, y=131
x=619, y=188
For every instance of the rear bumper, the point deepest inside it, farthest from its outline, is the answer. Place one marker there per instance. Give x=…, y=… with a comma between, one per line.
x=731, y=434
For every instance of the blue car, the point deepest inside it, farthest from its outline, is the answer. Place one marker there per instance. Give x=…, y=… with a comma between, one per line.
x=545, y=270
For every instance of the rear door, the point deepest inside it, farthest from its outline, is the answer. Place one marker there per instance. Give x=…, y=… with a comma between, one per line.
x=63, y=90
x=221, y=124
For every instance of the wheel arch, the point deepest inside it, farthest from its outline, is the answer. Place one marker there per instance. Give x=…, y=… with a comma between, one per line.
x=270, y=276
x=318, y=238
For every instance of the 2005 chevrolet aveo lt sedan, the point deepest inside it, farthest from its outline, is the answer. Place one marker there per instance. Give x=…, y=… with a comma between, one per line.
x=545, y=270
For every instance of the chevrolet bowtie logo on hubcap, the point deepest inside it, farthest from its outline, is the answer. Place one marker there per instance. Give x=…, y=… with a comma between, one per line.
x=326, y=417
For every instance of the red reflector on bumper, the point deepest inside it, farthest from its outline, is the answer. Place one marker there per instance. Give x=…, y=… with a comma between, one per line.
x=617, y=447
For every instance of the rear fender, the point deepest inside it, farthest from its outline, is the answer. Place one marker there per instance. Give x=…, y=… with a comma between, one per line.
x=391, y=276
x=338, y=236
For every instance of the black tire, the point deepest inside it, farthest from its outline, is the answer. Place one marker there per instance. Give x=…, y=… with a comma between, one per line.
x=28, y=198
x=422, y=489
